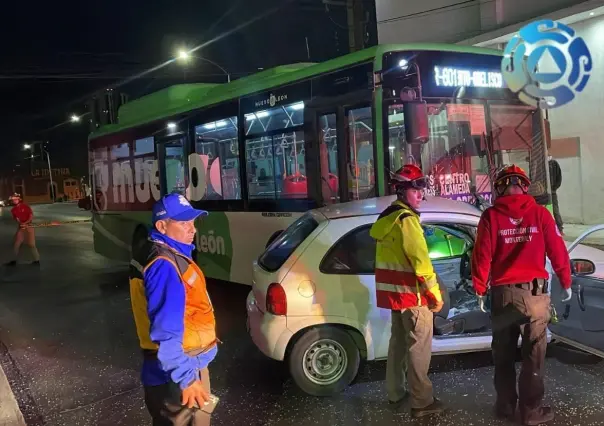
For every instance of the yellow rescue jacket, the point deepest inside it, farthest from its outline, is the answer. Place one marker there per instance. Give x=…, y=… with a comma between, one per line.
x=404, y=276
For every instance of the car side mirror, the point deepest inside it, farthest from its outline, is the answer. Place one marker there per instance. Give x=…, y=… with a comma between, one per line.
x=465, y=266
x=582, y=267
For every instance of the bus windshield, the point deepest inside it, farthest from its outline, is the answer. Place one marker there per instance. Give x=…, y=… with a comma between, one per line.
x=467, y=142
x=474, y=129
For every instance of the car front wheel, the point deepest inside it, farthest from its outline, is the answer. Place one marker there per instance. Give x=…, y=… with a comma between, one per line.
x=324, y=361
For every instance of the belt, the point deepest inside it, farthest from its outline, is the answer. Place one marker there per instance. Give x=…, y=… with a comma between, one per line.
x=537, y=286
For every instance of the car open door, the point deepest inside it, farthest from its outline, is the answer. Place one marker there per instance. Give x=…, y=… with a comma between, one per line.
x=581, y=319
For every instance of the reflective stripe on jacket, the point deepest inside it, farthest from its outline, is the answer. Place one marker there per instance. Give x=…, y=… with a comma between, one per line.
x=404, y=276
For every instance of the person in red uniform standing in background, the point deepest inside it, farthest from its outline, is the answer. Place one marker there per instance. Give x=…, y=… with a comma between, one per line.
x=23, y=215
x=514, y=237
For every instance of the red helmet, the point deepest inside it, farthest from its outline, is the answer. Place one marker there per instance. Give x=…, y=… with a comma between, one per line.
x=409, y=176
x=512, y=175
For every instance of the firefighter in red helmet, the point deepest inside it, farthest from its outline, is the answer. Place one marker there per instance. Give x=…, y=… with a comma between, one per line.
x=514, y=236
x=407, y=285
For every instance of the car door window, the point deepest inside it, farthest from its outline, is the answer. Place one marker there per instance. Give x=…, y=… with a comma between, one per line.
x=444, y=242
x=353, y=254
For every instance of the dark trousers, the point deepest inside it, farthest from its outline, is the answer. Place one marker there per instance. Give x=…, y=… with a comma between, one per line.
x=516, y=311
x=164, y=405
x=556, y=209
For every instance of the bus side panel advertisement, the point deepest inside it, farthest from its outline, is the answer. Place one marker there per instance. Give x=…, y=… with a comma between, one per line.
x=214, y=246
x=228, y=243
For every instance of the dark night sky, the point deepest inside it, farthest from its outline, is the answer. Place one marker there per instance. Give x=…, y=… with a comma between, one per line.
x=54, y=55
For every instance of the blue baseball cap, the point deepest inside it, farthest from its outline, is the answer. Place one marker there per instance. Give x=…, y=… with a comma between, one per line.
x=175, y=207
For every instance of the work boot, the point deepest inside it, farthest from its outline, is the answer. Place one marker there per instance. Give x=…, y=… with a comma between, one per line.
x=436, y=407
x=538, y=416
x=11, y=263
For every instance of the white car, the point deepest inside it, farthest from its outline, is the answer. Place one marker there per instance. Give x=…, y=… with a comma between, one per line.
x=313, y=298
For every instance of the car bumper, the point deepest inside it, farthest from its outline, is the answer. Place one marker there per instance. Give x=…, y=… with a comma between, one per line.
x=268, y=332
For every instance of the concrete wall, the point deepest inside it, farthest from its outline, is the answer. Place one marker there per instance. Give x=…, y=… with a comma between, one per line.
x=584, y=118
x=405, y=21
x=581, y=196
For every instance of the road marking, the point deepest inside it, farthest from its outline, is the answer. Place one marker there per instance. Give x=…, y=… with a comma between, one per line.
x=10, y=415
x=57, y=223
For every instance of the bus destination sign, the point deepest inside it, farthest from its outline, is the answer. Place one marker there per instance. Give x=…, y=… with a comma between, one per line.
x=463, y=77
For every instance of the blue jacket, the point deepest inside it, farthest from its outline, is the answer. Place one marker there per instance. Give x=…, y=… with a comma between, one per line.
x=165, y=296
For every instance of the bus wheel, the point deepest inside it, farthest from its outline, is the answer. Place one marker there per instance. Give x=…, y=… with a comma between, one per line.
x=273, y=238
x=139, y=238
x=324, y=361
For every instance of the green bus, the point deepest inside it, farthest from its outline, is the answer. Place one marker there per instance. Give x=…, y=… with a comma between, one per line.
x=260, y=151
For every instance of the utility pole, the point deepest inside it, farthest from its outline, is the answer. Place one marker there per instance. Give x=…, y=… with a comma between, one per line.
x=356, y=25
x=357, y=18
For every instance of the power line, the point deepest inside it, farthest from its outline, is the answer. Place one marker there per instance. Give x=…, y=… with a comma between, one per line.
x=72, y=77
x=125, y=81
x=441, y=9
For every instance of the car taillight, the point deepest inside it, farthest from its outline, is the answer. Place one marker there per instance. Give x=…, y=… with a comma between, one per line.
x=276, y=300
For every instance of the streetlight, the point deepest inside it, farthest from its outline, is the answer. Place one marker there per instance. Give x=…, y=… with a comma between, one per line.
x=75, y=118
x=52, y=186
x=185, y=56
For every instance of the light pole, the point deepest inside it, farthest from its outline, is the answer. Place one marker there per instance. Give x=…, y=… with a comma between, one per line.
x=185, y=56
x=31, y=147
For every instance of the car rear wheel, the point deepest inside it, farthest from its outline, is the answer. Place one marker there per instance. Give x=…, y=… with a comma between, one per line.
x=324, y=361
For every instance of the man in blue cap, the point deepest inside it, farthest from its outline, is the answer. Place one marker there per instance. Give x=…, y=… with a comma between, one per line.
x=174, y=317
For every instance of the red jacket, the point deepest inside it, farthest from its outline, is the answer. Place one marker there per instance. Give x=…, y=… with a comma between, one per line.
x=514, y=236
x=22, y=213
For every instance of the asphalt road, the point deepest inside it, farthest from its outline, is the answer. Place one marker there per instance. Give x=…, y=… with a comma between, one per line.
x=69, y=349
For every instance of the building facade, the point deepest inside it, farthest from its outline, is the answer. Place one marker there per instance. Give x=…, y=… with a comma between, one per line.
x=34, y=184
x=576, y=128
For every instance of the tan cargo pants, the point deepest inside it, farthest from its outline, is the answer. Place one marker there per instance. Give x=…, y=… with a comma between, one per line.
x=409, y=355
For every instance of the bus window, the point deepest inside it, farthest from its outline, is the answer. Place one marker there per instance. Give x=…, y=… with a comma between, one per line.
x=260, y=168
x=361, y=171
x=144, y=158
x=289, y=165
x=144, y=146
x=274, y=119
x=518, y=139
x=175, y=166
x=216, y=143
x=276, y=166
x=121, y=171
x=328, y=151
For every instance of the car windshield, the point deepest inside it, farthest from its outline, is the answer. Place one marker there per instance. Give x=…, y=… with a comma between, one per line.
x=281, y=249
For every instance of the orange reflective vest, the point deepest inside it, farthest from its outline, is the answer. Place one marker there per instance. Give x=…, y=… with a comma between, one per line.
x=199, y=324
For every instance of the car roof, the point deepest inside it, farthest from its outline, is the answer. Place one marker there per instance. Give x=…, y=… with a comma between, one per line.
x=375, y=206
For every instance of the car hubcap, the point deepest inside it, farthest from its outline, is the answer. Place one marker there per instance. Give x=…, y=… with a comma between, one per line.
x=325, y=362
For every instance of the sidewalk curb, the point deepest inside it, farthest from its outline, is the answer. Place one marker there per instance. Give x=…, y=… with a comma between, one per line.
x=10, y=414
